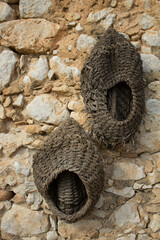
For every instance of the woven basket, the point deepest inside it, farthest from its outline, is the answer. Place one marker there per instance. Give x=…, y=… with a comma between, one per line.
x=68, y=172
x=113, y=89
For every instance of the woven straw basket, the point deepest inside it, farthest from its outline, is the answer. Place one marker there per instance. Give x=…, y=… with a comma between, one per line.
x=68, y=172
x=113, y=89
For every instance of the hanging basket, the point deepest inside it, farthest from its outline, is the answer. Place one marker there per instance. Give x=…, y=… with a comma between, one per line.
x=68, y=172
x=113, y=89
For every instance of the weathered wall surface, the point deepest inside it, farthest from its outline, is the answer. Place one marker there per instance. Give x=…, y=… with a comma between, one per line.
x=43, y=45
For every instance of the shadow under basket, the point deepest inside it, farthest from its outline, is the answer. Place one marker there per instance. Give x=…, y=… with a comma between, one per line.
x=112, y=87
x=68, y=172
x=68, y=192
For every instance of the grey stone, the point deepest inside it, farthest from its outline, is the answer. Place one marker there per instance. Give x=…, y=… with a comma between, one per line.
x=18, y=101
x=127, y=215
x=26, y=80
x=100, y=202
x=72, y=24
x=128, y=237
x=62, y=70
x=127, y=192
x=52, y=235
x=53, y=222
x=108, y=21
x=97, y=16
x=151, y=38
x=99, y=213
x=7, y=67
x=153, y=106
x=146, y=21
x=46, y=108
x=6, y=12
x=85, y=43
x=2, y=112
x=38, y=69
x=128, y=4
x=155, y=222
x=24, y=170
x=127, y=171
x=50, y=74
x=79, y=28
x=143, y=237
x=151, y=63
x=22, y=222
x=34, y=8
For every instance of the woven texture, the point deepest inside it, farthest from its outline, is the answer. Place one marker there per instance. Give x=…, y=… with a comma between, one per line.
x=68, y=172
x=113, y=89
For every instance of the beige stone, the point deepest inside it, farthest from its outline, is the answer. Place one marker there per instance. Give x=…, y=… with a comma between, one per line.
x=62, y=70
x=47, y=109
x=7, y=101
x=18, y=198
x=156, y=191
x=113, y=3
x=148, y=166
x=155, y=223
x=13, y=140
x=79, y=230
x=6, y=12
x=128, y=4
x=156, y=158
x=127, y=171
x=5, y=195
x=28, y=36
x=22, y=222
x=154, y=177
x=154, y=208
x=34, y=8
x=76, y=105
x=80, y=117
x=127, y=215
x=12, y=90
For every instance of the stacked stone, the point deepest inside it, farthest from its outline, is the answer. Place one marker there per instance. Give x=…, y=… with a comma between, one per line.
x=43, y=46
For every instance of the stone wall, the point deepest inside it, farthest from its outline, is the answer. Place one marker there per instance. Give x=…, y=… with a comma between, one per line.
x=43, y=46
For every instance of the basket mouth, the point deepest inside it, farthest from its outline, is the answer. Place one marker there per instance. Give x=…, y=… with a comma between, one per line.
x=67, y=192
x=119, y=101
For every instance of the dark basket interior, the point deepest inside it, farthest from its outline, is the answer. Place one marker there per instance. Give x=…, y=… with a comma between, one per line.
x=119, y=101
x=68, y=192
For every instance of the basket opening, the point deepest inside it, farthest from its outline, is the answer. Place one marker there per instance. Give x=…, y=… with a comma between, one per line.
x=119, y=101
x=68, y=192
